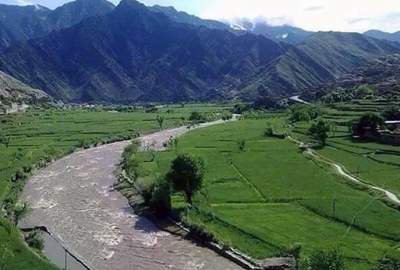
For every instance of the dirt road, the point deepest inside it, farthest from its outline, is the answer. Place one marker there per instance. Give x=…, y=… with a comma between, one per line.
x=74, y=199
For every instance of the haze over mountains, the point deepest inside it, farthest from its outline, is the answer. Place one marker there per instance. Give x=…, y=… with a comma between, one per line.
x=91, y=51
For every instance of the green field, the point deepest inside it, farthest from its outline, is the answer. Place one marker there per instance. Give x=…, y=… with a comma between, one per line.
x=271, y=196
x=38, y=136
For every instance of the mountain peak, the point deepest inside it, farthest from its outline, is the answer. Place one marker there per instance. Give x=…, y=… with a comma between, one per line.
x=131, y=4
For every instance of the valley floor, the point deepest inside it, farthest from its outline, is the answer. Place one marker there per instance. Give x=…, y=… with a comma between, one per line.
x=271, y=195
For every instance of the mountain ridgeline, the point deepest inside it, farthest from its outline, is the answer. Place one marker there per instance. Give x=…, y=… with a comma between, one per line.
x=136, y=54
x=96, y=52
x=20, y=23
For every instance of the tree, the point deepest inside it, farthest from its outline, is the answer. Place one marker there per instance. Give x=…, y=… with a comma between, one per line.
x=160, y=120
x=186, y=175
x=196, y=117
x=299, y=113
x=327, y=260
x=369, y=122
x=319, y=131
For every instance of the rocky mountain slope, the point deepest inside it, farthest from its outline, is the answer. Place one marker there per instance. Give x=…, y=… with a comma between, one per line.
x=14, y=91
x=382, y=75
x=322, y=58
x=20, y=23
x=137, y=53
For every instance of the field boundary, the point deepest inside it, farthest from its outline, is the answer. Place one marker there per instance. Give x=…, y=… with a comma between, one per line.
x=254, y=187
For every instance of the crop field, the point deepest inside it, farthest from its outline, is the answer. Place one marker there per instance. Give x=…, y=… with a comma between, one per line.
x=40, y=135
x=270, y=196
x=374, y=163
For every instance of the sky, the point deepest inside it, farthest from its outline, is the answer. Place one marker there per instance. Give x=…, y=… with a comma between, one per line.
x=316, y=15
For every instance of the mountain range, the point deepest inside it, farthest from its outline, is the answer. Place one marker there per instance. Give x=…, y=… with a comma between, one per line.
x=21, y=23
x=91, y=51
x=384, y=35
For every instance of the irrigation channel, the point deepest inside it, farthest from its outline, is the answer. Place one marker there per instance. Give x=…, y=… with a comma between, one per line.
x=74, y=199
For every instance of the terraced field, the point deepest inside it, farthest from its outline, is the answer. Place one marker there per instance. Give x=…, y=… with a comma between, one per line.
x=39, y=136
x=270, y=196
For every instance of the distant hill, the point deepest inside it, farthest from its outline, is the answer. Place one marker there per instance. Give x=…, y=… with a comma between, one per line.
x=20, y=23
x=324, y=57
x=384, y=35
x=14, y=91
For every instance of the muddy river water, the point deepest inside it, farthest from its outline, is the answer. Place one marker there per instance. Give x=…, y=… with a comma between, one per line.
x=75, y=200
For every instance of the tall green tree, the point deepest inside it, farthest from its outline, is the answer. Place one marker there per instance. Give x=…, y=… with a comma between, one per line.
x=319, y=131
x=369, y=122
x=186, y=175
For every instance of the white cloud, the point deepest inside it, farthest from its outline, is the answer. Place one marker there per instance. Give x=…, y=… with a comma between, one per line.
x=325, y=15
x=24, y=2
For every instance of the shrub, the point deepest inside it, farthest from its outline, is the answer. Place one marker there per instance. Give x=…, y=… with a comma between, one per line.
x=196, y=117
x=241, y=145
x=390, y=261
x=326, y=260
x=226, y=115
x=34, y=240
x=299, y=113
x=160, y=201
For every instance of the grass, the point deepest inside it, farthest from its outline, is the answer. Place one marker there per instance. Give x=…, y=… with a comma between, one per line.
x=40, y=135
x=270, y=196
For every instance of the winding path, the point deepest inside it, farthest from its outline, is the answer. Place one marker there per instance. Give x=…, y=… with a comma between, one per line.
x=341, y=170
x=74, y=198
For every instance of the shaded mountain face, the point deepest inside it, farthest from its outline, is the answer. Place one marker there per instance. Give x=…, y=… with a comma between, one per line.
x=383, y=35
x=136, y=54
x=20, y=23
x=12, y=90
x=322, y=58
x=183, y=17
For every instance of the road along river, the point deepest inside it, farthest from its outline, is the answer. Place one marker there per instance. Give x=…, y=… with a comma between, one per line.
x=75, y=200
